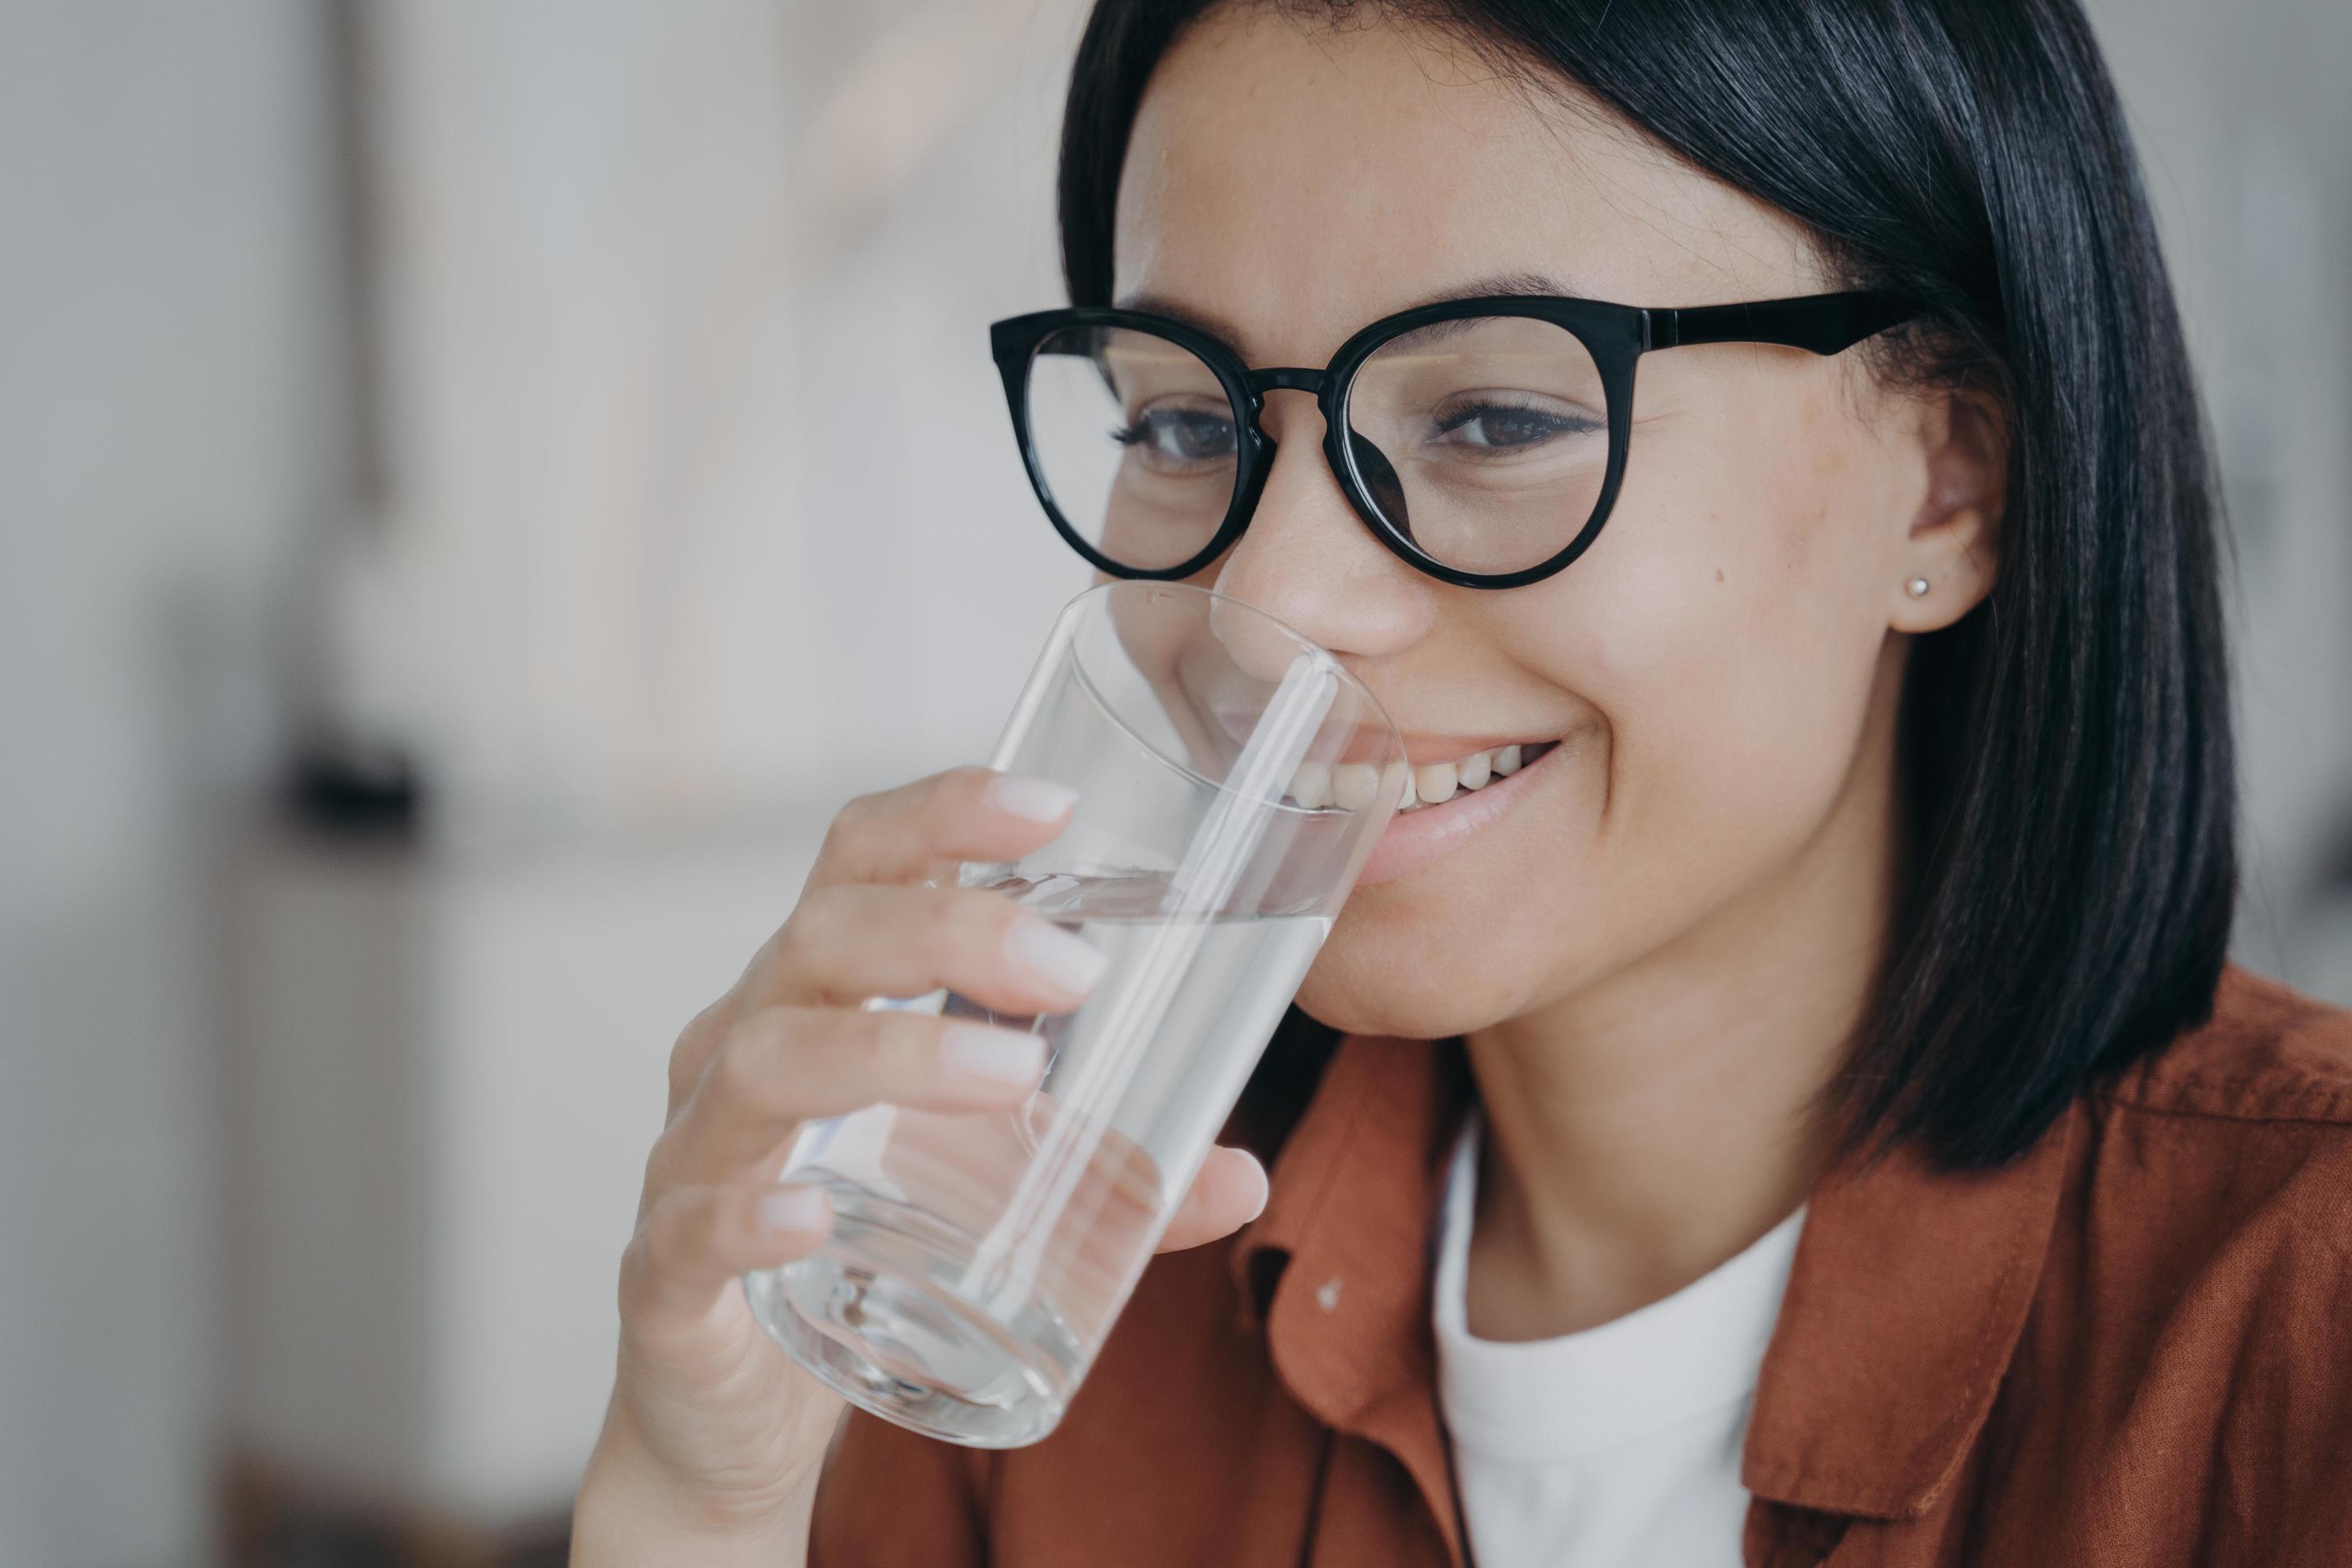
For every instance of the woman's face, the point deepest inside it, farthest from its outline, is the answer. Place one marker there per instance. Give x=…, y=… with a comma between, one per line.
x=1719, y=671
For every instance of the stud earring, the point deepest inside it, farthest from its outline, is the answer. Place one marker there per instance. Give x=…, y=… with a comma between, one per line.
x=1917, y=587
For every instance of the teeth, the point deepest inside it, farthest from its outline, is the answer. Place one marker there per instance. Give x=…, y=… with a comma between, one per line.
x=1436, y=782
x=1354, y=785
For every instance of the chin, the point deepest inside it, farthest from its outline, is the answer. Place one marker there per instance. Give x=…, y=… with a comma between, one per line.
x=1361, y=984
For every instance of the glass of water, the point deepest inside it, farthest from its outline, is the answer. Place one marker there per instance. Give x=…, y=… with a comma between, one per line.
x=1232, y=778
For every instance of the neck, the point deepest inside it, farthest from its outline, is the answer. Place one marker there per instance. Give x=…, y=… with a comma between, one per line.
x=1649, y=1128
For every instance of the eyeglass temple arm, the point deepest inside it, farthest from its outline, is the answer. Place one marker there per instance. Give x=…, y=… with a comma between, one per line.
x=1823, y=323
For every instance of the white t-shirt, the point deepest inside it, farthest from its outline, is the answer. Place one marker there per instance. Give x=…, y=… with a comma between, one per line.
x=1618, y=1445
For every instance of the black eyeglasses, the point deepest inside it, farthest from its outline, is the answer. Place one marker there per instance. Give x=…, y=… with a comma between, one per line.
x=1482, y=440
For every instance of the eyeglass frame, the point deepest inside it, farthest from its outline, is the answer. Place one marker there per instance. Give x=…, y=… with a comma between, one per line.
x=1616, y=336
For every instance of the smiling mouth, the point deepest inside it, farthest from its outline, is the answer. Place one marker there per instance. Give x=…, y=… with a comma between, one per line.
x=1355, y=786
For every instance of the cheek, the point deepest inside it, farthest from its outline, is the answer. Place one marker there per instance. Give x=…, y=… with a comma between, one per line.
x=1724, y=636
x=1730, y=644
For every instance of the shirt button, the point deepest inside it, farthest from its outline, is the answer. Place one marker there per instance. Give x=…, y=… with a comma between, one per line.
x=1327, y=1295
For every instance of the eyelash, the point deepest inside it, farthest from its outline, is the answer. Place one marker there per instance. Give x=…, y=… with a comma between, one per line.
x=1559, y=423
x=1136, y=430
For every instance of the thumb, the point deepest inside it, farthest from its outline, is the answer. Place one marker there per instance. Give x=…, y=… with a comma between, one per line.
x=1228, y=1192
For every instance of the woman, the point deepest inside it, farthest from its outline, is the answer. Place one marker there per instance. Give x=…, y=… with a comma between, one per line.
x=1806, y=1116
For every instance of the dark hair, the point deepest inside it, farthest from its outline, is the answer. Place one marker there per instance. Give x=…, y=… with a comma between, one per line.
x=2066, y=747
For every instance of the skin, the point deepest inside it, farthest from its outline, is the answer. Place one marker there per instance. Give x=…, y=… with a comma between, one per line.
x=1656, y=956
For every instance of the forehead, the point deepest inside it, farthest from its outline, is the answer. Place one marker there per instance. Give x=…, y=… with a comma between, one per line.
x=1294, y=180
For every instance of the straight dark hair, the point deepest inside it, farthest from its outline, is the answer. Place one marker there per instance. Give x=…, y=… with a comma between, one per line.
x=2066, y=747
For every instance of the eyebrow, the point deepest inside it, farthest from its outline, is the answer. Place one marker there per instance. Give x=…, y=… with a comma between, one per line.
x=1199, y=320
x=1512, y=285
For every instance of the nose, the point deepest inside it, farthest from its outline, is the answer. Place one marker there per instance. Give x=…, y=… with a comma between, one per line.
x=1308, y=561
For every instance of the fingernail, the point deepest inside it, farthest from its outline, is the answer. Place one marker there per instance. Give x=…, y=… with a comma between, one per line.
x=794, y=1210
x=1037, y=800
x=1264, y=1185
x=1064, y=962
x=999, y=1056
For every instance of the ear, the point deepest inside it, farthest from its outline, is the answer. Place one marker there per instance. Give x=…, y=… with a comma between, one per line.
x=1955, y=540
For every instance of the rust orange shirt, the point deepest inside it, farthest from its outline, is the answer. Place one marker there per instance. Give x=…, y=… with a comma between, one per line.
x=2131, y=1346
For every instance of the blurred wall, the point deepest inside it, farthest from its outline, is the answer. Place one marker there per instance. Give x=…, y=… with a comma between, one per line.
x=169, y=427
x=176, y=464
x=2246, y=137
x=686, y=392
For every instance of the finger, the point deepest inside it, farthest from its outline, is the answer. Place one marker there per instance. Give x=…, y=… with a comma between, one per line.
x=782, y=1066
x=1230, y=1192
x=910, y=833
x=695, y=1240
x=691, y=1055
x=846, y=944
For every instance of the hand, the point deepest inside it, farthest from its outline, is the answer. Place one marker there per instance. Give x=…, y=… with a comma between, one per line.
x=714, y=1436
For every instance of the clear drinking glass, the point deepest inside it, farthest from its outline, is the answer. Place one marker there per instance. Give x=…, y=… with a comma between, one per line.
x=1232, y=777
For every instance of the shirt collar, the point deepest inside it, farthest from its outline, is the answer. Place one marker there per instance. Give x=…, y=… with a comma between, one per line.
x=1904, y=1304
x=1345, y=1241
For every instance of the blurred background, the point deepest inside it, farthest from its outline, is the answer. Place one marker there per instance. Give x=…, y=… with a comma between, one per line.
x=480, y=481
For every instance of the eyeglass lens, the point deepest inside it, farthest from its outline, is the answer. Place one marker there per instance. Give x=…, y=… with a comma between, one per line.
x=1137, y=441
x=1483, y=440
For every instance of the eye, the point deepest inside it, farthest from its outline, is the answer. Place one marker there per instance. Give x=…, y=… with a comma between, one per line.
x=1497, y=426
x=1173, y=439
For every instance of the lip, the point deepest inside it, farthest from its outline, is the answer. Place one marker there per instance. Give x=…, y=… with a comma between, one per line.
x=1415, y=839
